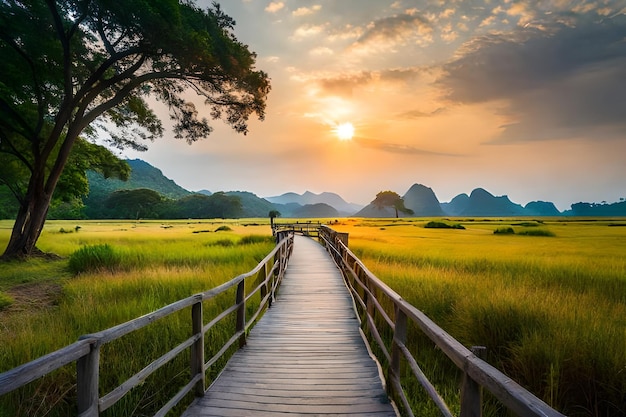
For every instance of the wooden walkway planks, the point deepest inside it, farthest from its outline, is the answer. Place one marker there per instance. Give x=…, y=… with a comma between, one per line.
x=305, y=356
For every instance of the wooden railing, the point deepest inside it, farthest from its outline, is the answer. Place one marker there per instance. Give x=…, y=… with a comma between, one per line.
x=86, y=351
x=380, y=306
x=308, y=228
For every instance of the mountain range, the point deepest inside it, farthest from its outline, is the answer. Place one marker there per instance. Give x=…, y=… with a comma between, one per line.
x=419, y=198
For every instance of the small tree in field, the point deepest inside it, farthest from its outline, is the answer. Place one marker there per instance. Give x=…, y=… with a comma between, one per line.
x=391, y=199
x=273, y=214
x=88, y=67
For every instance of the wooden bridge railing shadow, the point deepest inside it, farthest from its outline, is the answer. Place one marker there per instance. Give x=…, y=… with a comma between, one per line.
x=266, y=277
x=383, y=312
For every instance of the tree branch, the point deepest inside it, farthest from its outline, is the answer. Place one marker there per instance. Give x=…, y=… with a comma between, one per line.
x=36, y=84
x=13, y=151
x=65, y=44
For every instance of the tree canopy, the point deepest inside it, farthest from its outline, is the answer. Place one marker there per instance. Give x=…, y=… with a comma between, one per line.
x=391, y=199
x=92, y=68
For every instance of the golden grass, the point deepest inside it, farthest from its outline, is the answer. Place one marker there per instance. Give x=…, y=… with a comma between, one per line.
x=550, y=309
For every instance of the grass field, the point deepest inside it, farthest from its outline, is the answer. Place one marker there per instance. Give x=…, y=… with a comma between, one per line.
x=549, y=307
x=547, y=298
x=154, y=264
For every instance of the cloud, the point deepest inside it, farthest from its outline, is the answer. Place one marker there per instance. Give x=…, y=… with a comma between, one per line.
x=344, y=84
x=396, y=148
x=346, y=32
x=306, y=31
x=320, y=51
x=566, y=81
x=304, y=11
x=274, y=6
x=418, y=114
x=387, y=32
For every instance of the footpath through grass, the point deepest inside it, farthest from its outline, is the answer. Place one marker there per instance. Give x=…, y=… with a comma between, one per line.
x=146, y=265
x=549, y=305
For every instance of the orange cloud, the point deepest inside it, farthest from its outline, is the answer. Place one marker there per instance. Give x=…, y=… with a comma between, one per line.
x=274, y=6
x=304, y=11
x=387, y=32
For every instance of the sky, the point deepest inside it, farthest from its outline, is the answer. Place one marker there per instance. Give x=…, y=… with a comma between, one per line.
x=521, y=98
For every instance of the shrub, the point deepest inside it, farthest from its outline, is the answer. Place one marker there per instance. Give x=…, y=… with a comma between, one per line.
x=251, y=239
x=536, y=232
x=94, y=258
x=504, y=231
x=442, y=225
x=5, y=300
x=223, y=229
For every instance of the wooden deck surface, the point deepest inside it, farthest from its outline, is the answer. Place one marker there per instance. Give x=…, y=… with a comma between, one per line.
x=305, y=356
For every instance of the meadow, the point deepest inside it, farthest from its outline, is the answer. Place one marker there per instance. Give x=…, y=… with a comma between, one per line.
x=547, y=298
x=549, y=306
x=145, y=266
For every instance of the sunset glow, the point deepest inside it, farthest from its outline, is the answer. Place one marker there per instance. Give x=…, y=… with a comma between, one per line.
x=516, y=97
x=345, y=131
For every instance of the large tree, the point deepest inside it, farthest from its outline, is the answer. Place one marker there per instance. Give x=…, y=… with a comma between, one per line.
x=91, y=67
x=391, y=199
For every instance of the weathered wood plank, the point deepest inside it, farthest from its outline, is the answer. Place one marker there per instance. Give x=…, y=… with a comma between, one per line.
x=305, y=356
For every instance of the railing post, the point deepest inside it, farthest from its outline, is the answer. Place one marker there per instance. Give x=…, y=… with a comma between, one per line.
x=87, y=378
x=399, y=337
x=261, y=278
x=472, y=392
x=197, y=349
x=278, y=260
x=241, y=312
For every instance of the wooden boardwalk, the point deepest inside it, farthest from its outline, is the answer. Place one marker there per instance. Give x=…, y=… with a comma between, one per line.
x=305, y=356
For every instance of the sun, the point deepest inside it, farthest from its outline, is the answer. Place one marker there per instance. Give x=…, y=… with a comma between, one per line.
x=345, y=131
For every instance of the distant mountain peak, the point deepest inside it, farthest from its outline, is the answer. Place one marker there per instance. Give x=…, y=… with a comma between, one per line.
x=423, y=201
x=310, y=198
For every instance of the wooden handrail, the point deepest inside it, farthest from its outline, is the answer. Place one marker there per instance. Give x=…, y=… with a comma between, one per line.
x=308, y=228
x=86, y=351
x=477, y=373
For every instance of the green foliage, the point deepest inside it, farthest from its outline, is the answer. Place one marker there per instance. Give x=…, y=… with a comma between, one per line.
x=226, y=243
x=251, y=204
x=94, y=258
x=599, y=209
x=8, y=203
x=92, y=68
x=252, y=239
x=442, y=225
x=224, y=229
x=5, y=300
x=134, y=204
x=391, y=199
x=142, y=175
x=200, y=206
x=524, y=232
x=536, y=232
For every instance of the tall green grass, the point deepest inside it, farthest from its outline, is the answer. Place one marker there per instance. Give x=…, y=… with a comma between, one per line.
x=551, y=312
x=112, y=272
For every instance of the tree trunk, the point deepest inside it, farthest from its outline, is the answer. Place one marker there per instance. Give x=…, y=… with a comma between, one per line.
x=34, y=208
x=28, y=223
